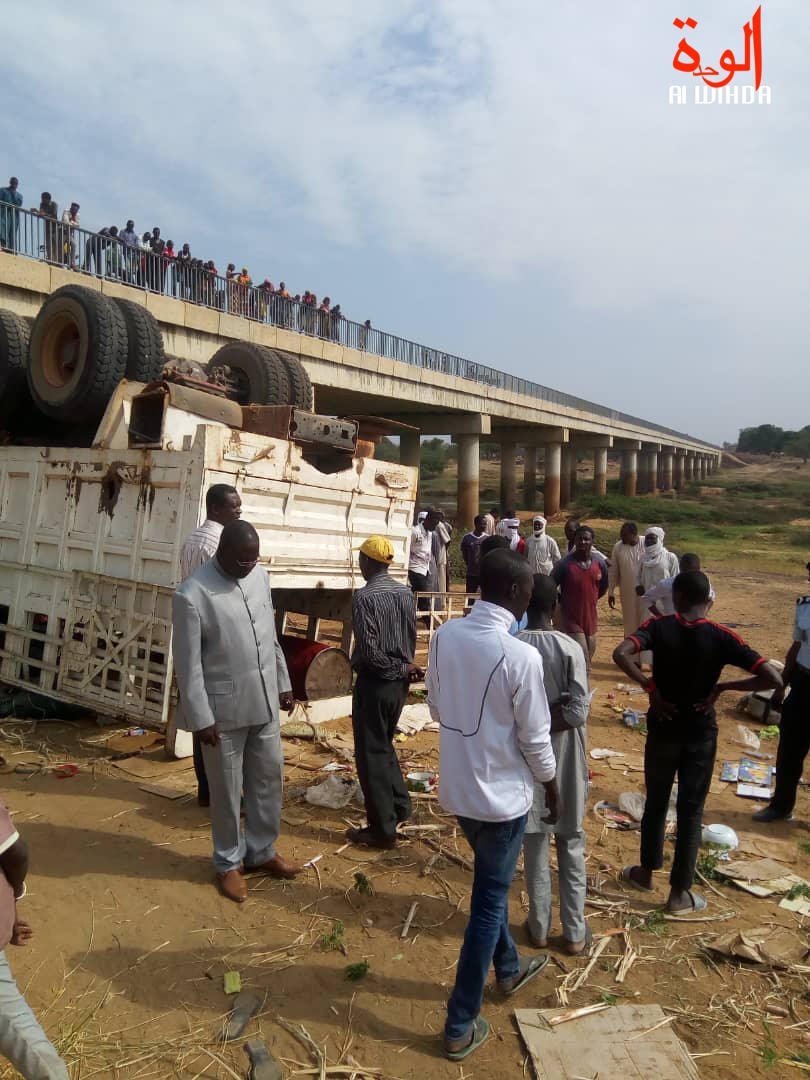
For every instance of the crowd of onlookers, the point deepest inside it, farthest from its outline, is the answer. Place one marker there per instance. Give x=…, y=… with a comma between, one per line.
x=148, y=261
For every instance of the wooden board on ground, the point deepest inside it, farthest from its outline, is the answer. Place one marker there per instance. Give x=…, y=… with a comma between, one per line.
x=621, y=1043
x=152, y=764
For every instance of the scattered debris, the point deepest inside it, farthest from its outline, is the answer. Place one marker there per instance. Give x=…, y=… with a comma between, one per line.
x=232, y=982
x=245, y=1007
x=600, y=754
x=334, y=793
x=409, y=919
x=603, y=1046
x=770, y=946
x=263, y=1066
x=422, y=781
x=414, y=718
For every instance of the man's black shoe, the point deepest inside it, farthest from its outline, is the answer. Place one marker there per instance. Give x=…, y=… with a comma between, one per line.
x=369, y=838
x=769, y=814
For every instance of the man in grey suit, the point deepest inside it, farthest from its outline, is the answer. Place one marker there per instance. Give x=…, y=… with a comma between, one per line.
x=232, y=678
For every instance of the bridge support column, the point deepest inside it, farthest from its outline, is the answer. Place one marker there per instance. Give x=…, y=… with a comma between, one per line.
x=600, y=458
x=629, y=472
x=551, y=483
x=565, y=476
x=468, y=473
x=649, y=471
x=573, y=488
x=689, y=468
x=666, y=477
x=702, y=467
x=410, y=444
x=529, y=477
x=679, y=479
x=508, y=478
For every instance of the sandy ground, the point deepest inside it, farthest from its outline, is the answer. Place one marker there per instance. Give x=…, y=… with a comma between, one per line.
x=132, y=938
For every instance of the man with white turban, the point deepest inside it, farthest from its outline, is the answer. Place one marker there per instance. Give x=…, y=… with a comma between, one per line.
x=541, y=549
x=656, y=562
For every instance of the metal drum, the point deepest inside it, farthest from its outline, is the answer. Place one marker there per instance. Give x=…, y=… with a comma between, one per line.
x=316, y=670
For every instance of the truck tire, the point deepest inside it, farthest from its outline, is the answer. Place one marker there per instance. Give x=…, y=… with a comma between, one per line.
x=146, y=357
x=256, y=375
x=14, y=397
x=300, y=384
x=77, y=354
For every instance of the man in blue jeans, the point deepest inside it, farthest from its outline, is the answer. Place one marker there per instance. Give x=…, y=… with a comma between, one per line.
x=485, y=688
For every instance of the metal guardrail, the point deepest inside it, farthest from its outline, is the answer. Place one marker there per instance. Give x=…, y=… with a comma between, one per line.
x=27, y=232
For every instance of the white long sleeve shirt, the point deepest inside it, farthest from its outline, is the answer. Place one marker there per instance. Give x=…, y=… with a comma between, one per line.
x=485, y=689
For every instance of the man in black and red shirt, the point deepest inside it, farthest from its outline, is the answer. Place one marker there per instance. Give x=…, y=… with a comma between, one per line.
x=689, y=654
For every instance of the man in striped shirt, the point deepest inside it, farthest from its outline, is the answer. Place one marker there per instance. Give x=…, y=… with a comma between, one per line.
x=384, y=623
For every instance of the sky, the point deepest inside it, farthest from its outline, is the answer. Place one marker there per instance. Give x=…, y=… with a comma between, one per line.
x=505, y=181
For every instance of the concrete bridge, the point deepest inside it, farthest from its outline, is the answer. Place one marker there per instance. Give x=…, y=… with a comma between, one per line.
x=422, y=393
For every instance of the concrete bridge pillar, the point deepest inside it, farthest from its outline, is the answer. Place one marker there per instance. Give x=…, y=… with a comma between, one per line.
x=551, y=483
x=679, y=479
x=565, y=476
x=629, y=472
x=666, y=475
x=468, y=474
x=508, y=476
x=573, y=488
x=702, y=467
x=600, y=461
x=529, y=477
x=649, y=471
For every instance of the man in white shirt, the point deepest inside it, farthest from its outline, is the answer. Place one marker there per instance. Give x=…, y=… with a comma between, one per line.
x=420, y=553
x=658, y=598
x=486, y=690
x=222, y=505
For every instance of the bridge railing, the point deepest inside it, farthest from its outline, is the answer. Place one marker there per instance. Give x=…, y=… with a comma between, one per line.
x=26, y=232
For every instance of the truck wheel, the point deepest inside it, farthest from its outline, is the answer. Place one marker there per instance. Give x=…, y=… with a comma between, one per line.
x=254, y=374
x=14, y=397
x=145, y=355
x=300, y=384
x=77, y=354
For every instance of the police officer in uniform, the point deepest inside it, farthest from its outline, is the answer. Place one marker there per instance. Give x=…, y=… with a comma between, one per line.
x=794, y=729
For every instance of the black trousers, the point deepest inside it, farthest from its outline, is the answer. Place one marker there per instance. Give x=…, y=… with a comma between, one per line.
x=419, y=583
x=199, y=769
x=676, y=748
x=376, y=706
x=473, y=582
x=794, y=743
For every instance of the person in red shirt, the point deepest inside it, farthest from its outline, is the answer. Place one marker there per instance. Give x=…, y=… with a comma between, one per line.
x=22, y=1040
x=689, y=653
x=582, y=577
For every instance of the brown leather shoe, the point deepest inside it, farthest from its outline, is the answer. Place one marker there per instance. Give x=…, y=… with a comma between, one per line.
x=233, y=885
x=276, y=867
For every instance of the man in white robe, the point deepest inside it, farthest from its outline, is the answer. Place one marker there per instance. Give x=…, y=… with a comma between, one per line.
x=625, y=563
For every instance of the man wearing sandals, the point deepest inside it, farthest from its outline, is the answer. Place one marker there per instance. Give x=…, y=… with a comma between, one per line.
x=485, y=688
x=689, y=653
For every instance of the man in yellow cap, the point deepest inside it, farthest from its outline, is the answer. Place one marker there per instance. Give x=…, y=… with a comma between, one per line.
x=384, y=622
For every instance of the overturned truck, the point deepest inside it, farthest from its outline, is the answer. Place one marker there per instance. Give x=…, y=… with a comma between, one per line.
x=90, y=536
